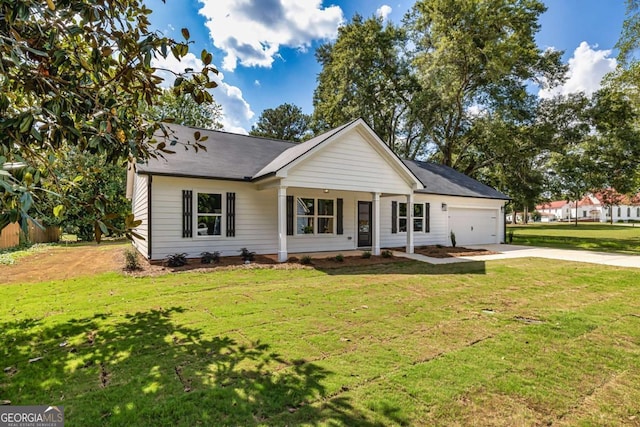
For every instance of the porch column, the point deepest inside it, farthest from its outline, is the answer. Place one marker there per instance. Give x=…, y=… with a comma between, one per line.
x=375, y=240
x=282, y=224
x=409, y=247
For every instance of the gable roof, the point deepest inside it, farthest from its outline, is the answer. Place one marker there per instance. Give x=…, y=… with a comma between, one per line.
x=228, y=155
x=441, y=179
x=556, y=204
x=249, y=158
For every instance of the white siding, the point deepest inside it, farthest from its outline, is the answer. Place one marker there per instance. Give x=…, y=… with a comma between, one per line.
x=256, y=213
x=139, y=210
x=256, y=219
x=439, y=219
x=334, y=242
x=349, y=163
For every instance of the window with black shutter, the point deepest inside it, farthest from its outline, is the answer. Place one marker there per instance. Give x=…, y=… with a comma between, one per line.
x=339, y=219
x=289, y=215
x=427, y=217
x=394, y=217
x=231, y=214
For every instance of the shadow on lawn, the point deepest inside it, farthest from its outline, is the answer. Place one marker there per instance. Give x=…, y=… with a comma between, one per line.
x=144, y=369
x=406, y=267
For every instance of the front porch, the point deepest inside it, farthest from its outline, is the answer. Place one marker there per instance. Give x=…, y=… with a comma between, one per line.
x=326, y=221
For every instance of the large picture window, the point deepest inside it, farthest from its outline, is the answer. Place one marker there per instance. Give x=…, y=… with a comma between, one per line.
x=418, y=217
x=209, y=214
x=402, y=217
x=315, y=216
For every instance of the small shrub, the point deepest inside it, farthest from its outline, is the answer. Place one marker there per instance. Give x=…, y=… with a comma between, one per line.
x=176, y=260
x=306, y=260
x=386, y=253
x=339, y=258
x=247, y=255
x=439, y=246
x=209, y=257
x=366, y=254
x=453, y=239
x=131, y=260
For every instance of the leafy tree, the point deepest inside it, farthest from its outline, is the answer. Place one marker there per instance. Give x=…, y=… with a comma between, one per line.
x=72, y=76
x=471, y=58
x=363, y=75
x=286, y=122
x=183, y=109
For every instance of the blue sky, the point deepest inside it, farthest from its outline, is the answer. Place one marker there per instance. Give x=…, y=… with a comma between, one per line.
x=265, y=48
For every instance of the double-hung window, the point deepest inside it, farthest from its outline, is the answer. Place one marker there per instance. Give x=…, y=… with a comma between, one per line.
x=402, y=217
x=315, y=216
x=420, y=218
x=209, y=214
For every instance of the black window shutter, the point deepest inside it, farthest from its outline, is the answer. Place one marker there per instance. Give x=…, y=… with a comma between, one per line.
x=339, y=222
x=427, y=217
x=394, y=217
x=187, y=213
x=289, y=215
x=231, y=214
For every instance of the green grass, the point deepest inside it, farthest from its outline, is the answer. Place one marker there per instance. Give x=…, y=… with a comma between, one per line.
x=587, y=236
x=512, y=342
x=11, y=256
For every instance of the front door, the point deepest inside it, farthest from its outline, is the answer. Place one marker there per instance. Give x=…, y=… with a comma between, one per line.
x=364, y=224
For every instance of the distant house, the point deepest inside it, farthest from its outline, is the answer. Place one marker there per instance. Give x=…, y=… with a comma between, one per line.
x=558, y=210
x=597, y=207
x=342, y=190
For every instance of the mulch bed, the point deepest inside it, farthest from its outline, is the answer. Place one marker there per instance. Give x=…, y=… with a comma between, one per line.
x=450, y=251
x=436, y=251
x=261, y=262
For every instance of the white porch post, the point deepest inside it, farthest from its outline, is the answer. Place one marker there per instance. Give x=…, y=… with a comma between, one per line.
x=375, y=241
x=409, y=248
x=282, y=224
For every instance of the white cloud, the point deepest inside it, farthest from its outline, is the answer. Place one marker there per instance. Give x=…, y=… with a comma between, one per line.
x=384, y=11
x=587, y=67
x=252, y=31
x=236, y=111
x=256, y=82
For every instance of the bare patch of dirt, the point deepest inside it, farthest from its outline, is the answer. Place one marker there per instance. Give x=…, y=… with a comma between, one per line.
x=86, y=259
x=65, y=262
x=436, y=251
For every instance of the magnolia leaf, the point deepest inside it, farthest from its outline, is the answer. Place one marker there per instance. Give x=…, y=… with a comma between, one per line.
x=58, y=210
x=185, y=33
x=50, y=5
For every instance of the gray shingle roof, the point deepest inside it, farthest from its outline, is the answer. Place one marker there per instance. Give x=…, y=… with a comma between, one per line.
x=440, y=179
x=228, y=155
x=242, y=157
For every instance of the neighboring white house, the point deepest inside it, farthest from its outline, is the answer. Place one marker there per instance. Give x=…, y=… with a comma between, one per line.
x=596, y=207
x=554, y=211
x=342, y=190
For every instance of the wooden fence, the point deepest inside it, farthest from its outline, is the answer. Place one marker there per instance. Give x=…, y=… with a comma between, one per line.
x=10, y=235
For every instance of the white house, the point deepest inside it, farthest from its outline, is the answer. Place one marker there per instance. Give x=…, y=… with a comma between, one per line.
x=342, y=190
x=558, y=210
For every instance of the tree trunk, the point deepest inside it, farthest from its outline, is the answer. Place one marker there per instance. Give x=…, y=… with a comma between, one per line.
x=525, y=217
x=576, y=213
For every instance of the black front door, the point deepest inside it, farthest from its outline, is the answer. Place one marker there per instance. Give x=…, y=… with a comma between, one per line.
x=364, y=224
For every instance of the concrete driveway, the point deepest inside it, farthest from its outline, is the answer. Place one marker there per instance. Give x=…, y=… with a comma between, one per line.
x=514, y=251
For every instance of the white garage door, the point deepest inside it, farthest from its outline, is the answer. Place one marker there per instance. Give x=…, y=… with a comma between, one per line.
x=473, y=226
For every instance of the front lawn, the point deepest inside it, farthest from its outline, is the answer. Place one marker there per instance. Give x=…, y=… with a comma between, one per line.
x=512, y=342
x=589, y=236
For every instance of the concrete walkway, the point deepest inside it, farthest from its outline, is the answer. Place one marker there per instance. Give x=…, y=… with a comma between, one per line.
x=513, y=251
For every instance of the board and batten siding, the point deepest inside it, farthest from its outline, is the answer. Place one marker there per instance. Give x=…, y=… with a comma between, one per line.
x=349, y=163
x=140, y=211
x=439, y=219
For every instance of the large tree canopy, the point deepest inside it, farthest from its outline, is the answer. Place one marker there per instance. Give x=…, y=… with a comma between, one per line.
x=184, y=110
x=473, y=59
x=286, y=122
x=72, y=76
